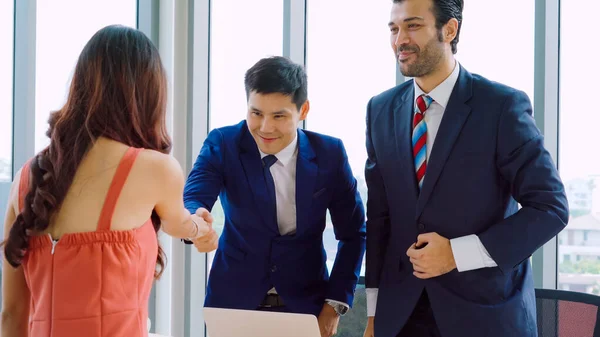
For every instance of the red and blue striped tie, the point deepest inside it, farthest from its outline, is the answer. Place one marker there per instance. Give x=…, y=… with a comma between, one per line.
x=419, y=137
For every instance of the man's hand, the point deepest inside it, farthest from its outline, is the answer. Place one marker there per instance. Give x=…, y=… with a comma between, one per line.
x=370, y=329
x=431, y=256
x=328, y=321
x=209, y=241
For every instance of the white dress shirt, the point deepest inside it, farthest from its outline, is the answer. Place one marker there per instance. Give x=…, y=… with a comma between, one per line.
x=469, y=253
x=284, y=177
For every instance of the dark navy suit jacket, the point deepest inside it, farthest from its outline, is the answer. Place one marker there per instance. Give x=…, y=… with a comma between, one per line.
x=488, y=156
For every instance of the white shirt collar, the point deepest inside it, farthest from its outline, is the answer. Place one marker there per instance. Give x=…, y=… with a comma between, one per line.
x=441, y=93
x=284, y=156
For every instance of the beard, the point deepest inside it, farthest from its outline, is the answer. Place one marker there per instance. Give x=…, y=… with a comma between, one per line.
x=426, y=59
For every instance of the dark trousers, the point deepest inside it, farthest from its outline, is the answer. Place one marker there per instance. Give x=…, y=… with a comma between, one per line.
x=421, y=322
x=272, y=302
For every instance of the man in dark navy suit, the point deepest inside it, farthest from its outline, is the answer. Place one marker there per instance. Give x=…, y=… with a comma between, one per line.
x=276, y=183
x=451, y=155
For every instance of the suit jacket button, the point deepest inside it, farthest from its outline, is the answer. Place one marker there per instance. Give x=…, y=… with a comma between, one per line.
x=421, y=228
x=273, y=269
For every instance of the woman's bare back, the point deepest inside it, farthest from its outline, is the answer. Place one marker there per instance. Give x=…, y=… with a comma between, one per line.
x=83, y=203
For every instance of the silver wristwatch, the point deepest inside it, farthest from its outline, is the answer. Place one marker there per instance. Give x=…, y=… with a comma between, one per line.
x=340, y=309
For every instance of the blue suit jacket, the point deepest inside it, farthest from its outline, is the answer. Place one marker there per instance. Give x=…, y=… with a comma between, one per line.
x=252, y=256
x=488, y=156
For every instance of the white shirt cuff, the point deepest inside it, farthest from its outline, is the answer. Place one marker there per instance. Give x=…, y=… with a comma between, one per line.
x=371, y=301
x=469, y=253
x=337, y=302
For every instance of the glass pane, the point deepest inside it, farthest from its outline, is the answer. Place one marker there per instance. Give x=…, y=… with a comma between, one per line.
x=232, y=52
x=239, y=38
x=478, y=49
x=63, y=27
x=6, y=95
x=484, y=25
x=579, y=165
x=339, y=88
x=6, y=108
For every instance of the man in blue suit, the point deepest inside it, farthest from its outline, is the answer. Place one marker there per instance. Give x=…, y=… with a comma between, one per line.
x=276, y=183
x=451, y=155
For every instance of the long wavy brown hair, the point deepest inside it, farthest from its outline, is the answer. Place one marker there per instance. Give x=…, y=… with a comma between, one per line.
x=118, y=91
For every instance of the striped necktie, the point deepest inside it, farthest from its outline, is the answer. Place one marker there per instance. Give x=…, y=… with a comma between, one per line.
x=419, y=137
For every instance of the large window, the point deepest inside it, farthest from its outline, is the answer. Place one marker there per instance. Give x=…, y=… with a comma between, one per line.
x=579, y=163
x=6, y=104
x=238, y=40
x=241, y=33
x=6, y=108
x=346, y=67
x=347, y=64
x=63, y=27
x=6, y=95
x=496, y=50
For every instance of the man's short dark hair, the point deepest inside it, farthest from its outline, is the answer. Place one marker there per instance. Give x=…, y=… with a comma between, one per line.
x=277, y=74
x=444, y=10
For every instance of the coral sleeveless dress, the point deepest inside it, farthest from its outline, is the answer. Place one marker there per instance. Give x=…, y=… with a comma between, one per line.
x=92, y=284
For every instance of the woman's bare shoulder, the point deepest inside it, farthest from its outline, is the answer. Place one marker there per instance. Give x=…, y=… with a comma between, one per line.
x=159, y=164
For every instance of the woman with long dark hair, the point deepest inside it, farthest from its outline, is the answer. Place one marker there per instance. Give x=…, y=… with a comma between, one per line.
x=81, y=249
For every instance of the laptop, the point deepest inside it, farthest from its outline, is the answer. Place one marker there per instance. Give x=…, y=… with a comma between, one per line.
x=254, y=323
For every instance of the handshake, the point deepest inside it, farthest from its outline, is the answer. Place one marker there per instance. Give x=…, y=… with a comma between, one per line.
x=208, y=241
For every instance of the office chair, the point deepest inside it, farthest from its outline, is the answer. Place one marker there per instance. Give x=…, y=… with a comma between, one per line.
x=567, y=314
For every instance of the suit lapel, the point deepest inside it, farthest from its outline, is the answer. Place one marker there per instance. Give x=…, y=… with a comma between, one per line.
x=402, y=117
x=455, y=116
x=306, y=174
x=252, y=163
